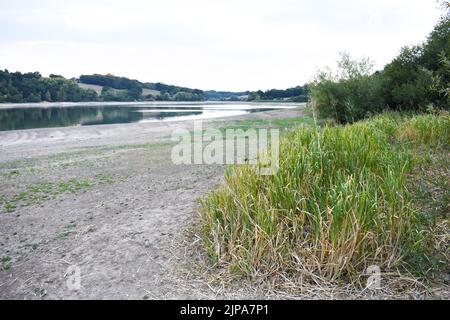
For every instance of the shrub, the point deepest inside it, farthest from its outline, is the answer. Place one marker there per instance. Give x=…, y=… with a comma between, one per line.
x=349, y=95
x=419, y=77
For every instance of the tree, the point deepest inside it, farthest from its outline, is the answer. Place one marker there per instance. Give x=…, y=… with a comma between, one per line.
x=349, y=94
x=254, y=96
x=135, y=92
x=417, y=79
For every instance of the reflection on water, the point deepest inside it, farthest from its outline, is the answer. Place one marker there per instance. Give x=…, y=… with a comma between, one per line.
x=40, y=117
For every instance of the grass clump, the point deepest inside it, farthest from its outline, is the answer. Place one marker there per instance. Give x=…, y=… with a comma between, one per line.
x=338, y=204
x=10, y=174
x=279, y=123
x=48, y=190
x=5, y=263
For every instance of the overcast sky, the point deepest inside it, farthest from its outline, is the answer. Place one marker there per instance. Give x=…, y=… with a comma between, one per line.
x=222, y=45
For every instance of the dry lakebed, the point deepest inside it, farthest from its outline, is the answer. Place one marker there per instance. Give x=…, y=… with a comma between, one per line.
x=108, y=201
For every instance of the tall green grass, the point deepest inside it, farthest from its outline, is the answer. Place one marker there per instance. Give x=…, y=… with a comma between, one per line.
x=338, y=204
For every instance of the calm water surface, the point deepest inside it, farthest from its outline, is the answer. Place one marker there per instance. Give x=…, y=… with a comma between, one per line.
x=84, y=115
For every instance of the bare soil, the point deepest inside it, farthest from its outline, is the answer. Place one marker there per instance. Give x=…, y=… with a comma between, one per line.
x=108, y=200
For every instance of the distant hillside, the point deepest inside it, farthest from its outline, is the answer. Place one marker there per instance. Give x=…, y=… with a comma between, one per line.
x=150, y=92
x=164, y=92
x=136, y=90
x=297, y=94
x=226, y=95
x=96, y=88
x=20, y=87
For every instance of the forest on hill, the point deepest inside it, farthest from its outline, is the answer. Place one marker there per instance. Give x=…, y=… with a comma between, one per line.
x=17, y=87
x=31, y=87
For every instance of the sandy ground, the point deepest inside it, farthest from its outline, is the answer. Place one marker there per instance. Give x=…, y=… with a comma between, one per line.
x=107, y=201
x=119, y=211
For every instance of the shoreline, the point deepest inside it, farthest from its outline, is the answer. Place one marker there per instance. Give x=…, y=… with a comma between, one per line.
x=118, y=208
x=24, y=142
x=267, y=104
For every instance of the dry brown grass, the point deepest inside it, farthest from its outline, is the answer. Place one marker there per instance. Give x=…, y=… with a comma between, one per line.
x=272, y=230
x=97, y=89
x=146, y=92
x=216, y=282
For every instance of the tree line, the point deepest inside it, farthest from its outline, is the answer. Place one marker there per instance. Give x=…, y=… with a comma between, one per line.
x=19, y=87
x=226, y=95
x=297, y=94
x=417, y=80
x=133, y=89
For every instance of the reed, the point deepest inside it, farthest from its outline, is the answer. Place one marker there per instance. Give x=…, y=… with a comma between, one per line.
x=338, y=204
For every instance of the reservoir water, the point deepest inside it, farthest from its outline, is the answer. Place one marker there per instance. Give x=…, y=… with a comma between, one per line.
x=19, y=117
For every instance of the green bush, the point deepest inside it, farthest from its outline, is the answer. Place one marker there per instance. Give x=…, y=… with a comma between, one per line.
x=349, y=95
x=419, y=78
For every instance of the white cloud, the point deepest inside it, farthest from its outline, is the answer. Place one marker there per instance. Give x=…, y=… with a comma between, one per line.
x=226, y=45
